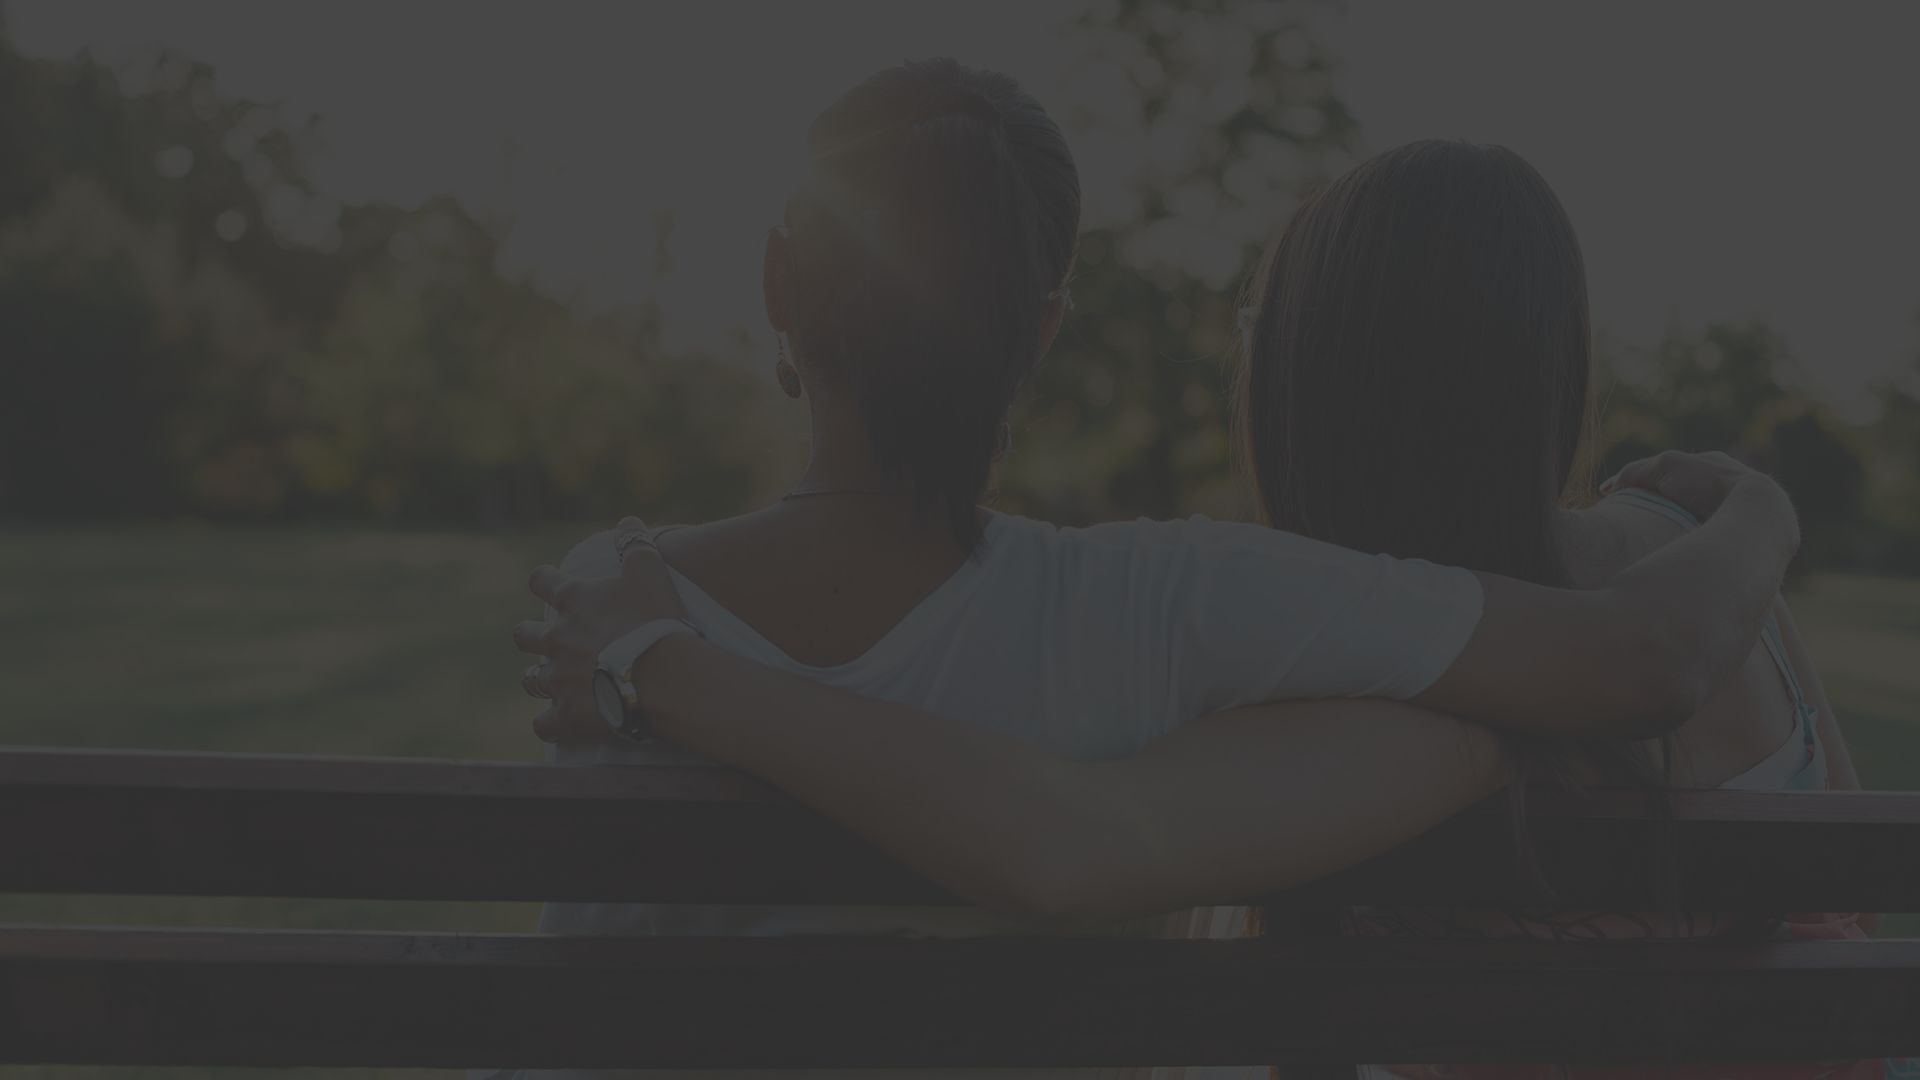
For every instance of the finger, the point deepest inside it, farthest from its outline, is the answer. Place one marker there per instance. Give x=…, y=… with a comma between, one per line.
x=549, y=583
x=640, y=560
x=533, y=636
x=547, y=725
x=1645, y=473
x=632, y=537
x=537, y=681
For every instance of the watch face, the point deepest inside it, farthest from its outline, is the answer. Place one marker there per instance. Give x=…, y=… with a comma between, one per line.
x=608, y=702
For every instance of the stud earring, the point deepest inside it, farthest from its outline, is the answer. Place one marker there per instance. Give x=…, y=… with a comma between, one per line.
x=784, y=371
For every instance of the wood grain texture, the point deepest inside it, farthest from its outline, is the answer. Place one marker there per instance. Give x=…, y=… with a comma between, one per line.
x=207, y=824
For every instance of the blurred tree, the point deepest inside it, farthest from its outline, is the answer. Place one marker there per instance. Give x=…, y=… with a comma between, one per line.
x=1721, y=389
x=90, y=382
x=1235, y=106
x=192, y=329
x=1894, y=479
x=1704, y=391
x=1814, y=459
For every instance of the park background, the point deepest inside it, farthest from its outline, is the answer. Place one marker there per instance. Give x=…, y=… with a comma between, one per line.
x=325, y=322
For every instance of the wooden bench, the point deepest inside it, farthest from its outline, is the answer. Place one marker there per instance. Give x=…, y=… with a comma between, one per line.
x=208, y=825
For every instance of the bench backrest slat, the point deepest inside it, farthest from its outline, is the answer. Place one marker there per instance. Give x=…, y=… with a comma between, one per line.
x=272, y=999
x=205, y=824
x=197, y=824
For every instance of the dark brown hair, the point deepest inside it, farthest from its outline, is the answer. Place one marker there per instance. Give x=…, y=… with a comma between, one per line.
x=1416, y=376
x=941, y=210
x=1416, y=372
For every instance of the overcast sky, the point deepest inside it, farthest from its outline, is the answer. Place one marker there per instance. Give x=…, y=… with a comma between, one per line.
x=1720, y=159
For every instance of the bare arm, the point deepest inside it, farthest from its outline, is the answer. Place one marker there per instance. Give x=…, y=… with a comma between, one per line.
x=1218, y=813
x=1639, y=657
x=1247, y=802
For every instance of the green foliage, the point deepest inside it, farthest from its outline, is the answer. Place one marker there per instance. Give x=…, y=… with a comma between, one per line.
x=1129, y=413
x=1732, y=388
x=191, y=329
x=1892, y=541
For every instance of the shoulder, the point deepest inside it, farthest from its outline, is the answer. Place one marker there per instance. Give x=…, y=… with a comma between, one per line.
x=1117, y=548
x=1619, y=531
x=595, y=556
x=1190, y=536
x=1257, y=556
x=1205, y=562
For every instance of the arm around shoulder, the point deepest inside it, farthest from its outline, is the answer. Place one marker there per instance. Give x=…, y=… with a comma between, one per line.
x=1639, y=657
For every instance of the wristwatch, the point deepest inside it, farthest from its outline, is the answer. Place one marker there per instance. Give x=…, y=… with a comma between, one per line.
x=613, y=694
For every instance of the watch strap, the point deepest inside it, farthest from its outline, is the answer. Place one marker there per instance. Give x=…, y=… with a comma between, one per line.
x=617, y=661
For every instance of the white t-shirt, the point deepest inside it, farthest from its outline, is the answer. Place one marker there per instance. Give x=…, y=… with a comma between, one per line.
x=1090, y=642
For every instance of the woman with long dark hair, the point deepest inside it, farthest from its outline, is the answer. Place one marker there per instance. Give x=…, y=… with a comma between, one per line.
x=916, y=279
x=1417, y=383
x=1420, y=334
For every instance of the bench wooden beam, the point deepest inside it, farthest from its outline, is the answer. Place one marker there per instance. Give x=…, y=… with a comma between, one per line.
x=208, y=824
x=111, y=997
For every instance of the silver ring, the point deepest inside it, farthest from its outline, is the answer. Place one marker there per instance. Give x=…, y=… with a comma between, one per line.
x=534, y=681
x=624, y=544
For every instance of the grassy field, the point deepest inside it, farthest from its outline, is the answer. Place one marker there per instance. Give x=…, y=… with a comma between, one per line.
x=1864, y=634
x=307, y=641
x=396, y=644
x=271, y=641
